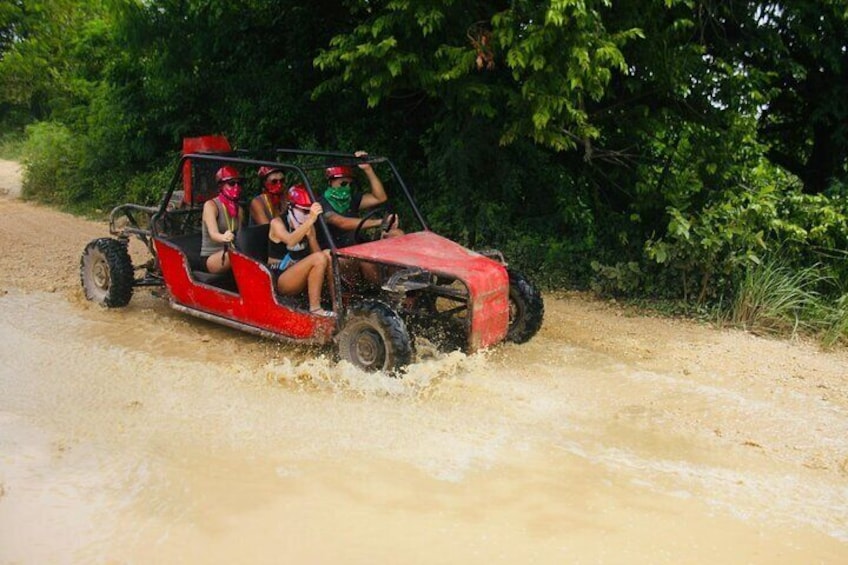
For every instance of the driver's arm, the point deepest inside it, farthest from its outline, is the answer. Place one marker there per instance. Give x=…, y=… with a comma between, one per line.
x=349, y=224
x=377, y=195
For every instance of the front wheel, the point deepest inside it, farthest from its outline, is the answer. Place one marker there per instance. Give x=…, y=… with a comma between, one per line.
x=526, y=308
x=375, y=338
x=106, y=272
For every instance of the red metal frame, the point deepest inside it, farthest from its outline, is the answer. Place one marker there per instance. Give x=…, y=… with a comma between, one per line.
x=255, y=305
x=487, y=281
x=204, y=144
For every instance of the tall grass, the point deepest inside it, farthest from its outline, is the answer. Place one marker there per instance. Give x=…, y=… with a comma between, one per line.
x=11, y=145
x=836, y=323
x=776, y=299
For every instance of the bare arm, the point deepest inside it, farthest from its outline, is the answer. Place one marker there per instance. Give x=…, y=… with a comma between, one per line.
x=349, y=224
x=257, y=212
x=313, y=241
x=278, y=232
x=378, y=193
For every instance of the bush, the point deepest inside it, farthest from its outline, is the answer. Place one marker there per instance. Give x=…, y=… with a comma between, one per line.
x=51, y=164
x=11, y=145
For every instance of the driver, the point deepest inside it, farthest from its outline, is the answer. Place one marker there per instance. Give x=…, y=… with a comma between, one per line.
x=342, y=207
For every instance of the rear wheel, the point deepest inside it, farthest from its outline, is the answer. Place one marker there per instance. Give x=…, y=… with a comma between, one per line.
x=106, y=272
x=375, y=338
x=526, y=308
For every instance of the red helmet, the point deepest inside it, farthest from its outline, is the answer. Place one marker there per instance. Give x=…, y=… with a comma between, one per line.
x=339, y=171
x=226, y=173
x=265, y=171
x=299, y=197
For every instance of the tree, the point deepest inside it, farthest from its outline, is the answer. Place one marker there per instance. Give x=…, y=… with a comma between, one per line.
x=46, y=60
x=795, y=53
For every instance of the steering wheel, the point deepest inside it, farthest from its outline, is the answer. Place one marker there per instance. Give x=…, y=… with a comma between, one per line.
x=388, y=220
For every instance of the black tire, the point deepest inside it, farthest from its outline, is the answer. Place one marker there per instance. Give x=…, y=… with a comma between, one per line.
x=526, y=308
x=106, y=272
x=375, y=338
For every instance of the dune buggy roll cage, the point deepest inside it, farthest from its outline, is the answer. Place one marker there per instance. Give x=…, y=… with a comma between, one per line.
x=156, y=214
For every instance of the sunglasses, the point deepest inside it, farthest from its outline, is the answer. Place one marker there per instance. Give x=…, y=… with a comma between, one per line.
x=275, y=181
x=232, y=182
x=345, y=183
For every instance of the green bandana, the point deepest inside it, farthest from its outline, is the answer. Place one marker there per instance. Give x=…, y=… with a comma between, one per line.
x=339, y=198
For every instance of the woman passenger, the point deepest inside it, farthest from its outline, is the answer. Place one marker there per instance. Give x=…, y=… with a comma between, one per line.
x=268, y=204
x=293, y=249
x=221, y=219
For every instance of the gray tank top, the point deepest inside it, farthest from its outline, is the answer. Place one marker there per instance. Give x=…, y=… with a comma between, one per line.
x=207, y=246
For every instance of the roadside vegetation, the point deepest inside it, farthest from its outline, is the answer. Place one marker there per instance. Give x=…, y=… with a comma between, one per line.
x=11, y=145
x=684, y=152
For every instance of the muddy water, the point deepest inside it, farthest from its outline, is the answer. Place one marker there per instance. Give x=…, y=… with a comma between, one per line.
x=143, y=436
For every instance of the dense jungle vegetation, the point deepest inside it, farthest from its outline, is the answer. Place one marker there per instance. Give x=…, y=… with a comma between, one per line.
x=689, y=151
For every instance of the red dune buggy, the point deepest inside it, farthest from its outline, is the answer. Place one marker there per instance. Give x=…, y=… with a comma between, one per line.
x=431, y=288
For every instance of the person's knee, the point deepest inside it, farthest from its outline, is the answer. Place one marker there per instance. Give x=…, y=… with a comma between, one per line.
x=320, y=260
x=317, y=262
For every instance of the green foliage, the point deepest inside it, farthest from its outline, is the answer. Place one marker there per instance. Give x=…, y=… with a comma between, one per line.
x=11, y=145
x=616, y=280
x=773, y=297
x=793, y=51
x=50, y=163
x=836, y=323
x=532, y=66
x=52, y=52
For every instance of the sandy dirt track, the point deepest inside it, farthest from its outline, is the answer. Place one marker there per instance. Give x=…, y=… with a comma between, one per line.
x=609, y=438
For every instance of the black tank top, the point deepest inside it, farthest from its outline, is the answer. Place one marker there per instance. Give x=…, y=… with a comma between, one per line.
x=278, y=250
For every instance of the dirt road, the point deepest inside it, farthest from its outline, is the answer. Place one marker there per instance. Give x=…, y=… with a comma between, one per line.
x=140, y=435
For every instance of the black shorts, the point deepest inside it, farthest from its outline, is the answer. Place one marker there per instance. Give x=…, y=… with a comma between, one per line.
x=198, y=263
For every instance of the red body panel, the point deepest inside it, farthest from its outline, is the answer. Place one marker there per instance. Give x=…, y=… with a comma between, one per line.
x=255, y=304
x=487, y=280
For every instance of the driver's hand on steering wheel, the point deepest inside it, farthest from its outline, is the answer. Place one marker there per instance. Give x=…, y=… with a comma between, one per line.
x=391, y=222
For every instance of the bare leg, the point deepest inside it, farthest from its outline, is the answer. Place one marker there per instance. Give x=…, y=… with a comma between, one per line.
x=331, y=281
x=316, y=279
x=218, y=262
x=308, y=273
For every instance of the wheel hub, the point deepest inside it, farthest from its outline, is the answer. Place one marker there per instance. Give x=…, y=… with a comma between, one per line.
x=368, y=348
x=100, y=274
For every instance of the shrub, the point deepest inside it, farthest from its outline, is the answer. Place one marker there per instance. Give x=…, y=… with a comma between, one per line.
x=775, y=298
x=11, y=145
x=51, y=164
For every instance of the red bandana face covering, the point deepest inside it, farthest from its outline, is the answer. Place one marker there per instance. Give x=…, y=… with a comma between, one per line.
x=274, y=199
x=229, y=198
x=273, y=191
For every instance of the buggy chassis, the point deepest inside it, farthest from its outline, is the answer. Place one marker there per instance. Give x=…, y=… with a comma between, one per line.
x=432, y=288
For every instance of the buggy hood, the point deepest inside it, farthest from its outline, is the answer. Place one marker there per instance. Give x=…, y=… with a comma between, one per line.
x=486, y=280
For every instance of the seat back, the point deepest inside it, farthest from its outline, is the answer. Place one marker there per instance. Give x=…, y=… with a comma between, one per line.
x=253, y=242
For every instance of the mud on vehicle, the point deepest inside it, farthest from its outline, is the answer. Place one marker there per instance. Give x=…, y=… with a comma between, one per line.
x=431, y=288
